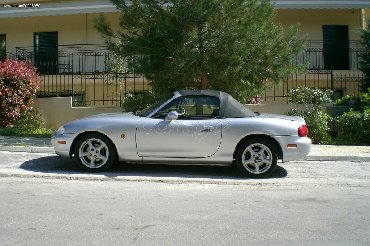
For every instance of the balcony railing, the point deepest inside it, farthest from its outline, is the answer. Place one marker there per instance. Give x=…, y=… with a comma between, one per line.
x=339, y=56
x=92, y=58
x=69, y=59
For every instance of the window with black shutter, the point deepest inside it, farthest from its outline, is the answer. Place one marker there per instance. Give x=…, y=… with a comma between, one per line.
x=336, y=47
x=2, y=47
x=46, y=52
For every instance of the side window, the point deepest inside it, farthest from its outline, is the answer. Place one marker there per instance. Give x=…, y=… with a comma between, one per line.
x=199, y=107
x=171, y=106
x=192, y=107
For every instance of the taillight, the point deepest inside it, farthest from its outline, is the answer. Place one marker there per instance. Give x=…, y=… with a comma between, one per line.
x=303, y=131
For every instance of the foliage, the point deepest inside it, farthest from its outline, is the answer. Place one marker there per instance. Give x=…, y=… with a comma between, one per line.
x=29, y=120
x=316, y=120
x=255, y=100
x=365, y=61
x=229, y=45
x=347, y=100
x=137, y=101
x=18, y=85
x=30, y=123
x=366, y=99
x=305, y=95
x=354, y=127
x=318, y=124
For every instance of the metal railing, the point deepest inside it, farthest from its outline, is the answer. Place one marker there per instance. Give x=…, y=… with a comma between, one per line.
x=341, y=83
x=84, y=71
x=314, y=55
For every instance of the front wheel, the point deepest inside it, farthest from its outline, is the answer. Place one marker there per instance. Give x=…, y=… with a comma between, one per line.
x=94, y=153
x=256, y=158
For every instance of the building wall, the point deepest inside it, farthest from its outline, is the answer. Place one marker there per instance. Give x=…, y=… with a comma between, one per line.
x=72, y=29
x=28, y=1
x=311, y=20
x=367, y=14
x=78, y=28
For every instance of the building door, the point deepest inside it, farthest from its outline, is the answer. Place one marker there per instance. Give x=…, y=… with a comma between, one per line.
x=46, y=52
x=336, y=47
x=2, y=47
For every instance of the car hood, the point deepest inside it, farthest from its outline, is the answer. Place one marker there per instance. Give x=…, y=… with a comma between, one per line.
x=280, y=116
x=99, y=121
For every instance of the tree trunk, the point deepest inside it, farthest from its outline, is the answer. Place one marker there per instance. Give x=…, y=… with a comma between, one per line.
x=204, y=81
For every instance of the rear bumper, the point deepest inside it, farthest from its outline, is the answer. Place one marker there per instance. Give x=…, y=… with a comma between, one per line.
x=301, y=147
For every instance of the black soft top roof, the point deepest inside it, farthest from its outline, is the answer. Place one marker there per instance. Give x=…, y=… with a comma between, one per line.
x=230, y=108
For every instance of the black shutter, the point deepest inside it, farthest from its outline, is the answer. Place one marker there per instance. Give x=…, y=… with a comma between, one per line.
x=2, y=47
x=336, y=47
x=46, y=52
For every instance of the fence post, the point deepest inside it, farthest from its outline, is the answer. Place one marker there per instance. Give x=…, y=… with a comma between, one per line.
x=331, y=80
x=72, y=81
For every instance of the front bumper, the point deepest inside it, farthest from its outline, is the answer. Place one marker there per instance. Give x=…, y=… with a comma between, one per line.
x=301, y=147
x=62, y=143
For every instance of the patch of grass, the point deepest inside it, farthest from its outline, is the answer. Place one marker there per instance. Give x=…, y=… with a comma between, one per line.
x=40, y=132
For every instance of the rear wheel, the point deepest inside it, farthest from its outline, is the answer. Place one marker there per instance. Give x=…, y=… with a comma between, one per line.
x=94, y=153
x=256, y=158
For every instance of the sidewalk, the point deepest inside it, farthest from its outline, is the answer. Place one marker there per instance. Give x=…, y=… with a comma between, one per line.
x=26, y=144
x=318, y=152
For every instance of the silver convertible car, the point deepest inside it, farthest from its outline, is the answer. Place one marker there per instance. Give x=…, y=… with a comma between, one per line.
x=200, y=127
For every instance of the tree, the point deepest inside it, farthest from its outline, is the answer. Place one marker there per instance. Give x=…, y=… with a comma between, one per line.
x=365, y=61
x=229, y=45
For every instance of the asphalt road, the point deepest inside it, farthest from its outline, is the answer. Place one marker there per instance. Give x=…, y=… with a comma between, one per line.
x=44, y=200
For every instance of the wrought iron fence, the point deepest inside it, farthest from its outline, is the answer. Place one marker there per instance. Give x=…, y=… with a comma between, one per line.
x=85, y=73
x=314, y=56
x=340, y=82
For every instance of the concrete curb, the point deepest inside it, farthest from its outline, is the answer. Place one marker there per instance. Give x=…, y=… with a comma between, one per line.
x=50, y=150
x=338, y=158
x=28, y=149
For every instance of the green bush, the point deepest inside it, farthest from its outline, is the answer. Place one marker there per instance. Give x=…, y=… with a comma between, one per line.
x=318, y=124
x=354, y=127
x=137, y=101
x=316, y=120
x=347, y=100
x=365, y=99
x=30, y=122
x=305, y=95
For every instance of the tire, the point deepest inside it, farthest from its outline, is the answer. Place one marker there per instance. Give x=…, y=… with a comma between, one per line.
x=94, y=153
x=256, y=158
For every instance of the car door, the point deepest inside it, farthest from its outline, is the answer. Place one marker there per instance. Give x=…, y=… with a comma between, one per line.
x=195, y=134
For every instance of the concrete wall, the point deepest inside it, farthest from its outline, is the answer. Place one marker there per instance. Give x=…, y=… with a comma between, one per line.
x=277, y=108
x=58, y=110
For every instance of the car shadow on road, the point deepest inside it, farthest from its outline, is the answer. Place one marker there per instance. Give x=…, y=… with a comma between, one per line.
x=59, y=165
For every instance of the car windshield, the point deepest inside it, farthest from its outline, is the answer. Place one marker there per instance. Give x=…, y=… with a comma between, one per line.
x=145, y=112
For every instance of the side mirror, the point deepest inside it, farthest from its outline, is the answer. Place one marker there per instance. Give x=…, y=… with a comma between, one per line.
x=173, y=115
